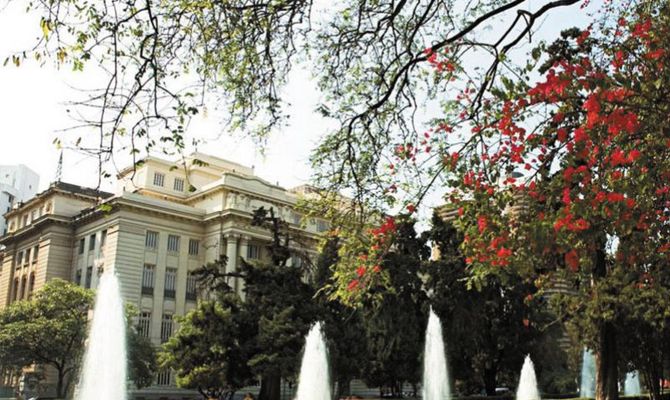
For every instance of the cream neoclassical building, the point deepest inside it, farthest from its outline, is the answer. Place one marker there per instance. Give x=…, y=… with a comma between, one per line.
x=165, y=220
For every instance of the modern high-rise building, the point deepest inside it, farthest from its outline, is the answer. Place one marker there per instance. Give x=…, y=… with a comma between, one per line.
x=165, y=220
x=17, y=183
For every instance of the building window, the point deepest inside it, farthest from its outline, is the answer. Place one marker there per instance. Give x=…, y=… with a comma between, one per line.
x=77, y=278
x=19, y=259
x=31, y=285
x=36, y=250
x=253, y=252
x=321, y=226
x=15, y=294
x=166, y=327
x=191, y=286
x=26, y=257
x=170, y=283
x=193, y=247
x=297, y=218
x=151, y=241
x=24, y=283
x=179, y=184
x=173, y=243
x=24, y=221
x=163, y=378
x=91, y=242
x=148, y=279
x=81, y=245
x=89, y=277
x=33, y=215
x=103, y=240
x=159, y=179
x=144, y=324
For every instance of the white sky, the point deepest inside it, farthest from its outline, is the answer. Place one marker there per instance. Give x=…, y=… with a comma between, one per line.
x=32, y=111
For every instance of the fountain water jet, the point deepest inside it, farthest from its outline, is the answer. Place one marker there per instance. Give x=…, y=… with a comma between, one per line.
x=435, y=375
x=588, y=378
x=632, y=385
x=527, y=389
x=103, y=376
x=314, y=383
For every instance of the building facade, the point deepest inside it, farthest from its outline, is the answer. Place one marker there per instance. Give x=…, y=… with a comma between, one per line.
x=165, y=220
x=17, y=183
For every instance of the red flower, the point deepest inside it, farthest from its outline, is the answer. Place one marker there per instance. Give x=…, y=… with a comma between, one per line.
x=360, y=271
x=376, y=268
x=481, y=223
x=411, y=208
x=353, y=284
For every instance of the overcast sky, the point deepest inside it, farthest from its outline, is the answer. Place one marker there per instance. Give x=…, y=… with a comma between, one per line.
x=32, y=112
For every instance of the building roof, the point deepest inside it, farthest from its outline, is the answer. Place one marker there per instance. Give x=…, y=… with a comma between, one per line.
x=63, y=187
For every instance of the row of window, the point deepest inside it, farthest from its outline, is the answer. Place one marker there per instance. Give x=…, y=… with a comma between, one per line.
x=173, y=243
x=24, y=290
x=88, y=278
x=23, y=257
x=92, y=242
x=144, y=325
x=170, y=287
x=177, y=184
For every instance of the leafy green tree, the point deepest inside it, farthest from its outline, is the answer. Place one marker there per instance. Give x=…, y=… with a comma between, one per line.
x=394, y=325
x=208, y=351
x=276, y=313
x=49, y=329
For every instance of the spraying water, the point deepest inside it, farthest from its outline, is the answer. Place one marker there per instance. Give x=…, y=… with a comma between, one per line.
x=435, y=378
x=632, y=385
x=103, y=376
x=527, y=389
x=314, y=383
x=588, y=379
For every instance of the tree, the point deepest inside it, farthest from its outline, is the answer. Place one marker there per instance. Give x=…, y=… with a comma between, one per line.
x=142, y=358
x=490, y=327
x=208, y=351
x=276, y=313
x=163, y=58
x=395, y=323
x=567, y=177
x=48, y=329
x=51, y=329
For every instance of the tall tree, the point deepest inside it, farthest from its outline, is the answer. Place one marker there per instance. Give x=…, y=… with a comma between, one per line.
x=48, y=329
x=395, y=323
x=208, y=352
x=567, y=177
x=51, y=329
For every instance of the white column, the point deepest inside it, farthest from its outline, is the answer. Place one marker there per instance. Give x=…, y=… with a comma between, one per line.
x=244, y=250
x=231, y=252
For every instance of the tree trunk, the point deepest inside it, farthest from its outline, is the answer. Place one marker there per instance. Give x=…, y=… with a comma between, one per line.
x=490, y=381
x=270, y=387
x=653, y=381
x=60, y=384
x=607, y=369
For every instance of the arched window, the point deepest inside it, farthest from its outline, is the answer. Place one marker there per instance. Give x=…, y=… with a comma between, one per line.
x=24, y=282
x=31, y=285
x=15, y=294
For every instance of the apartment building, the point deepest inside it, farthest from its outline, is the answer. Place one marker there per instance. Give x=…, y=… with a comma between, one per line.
x=17, y=183
x=165, y=220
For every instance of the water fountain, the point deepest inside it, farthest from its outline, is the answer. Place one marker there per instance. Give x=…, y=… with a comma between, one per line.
x=631, y=386
x=527, y=389
x=314, y=383
x=588, y=378
x=435, y=376
x=103, y=375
